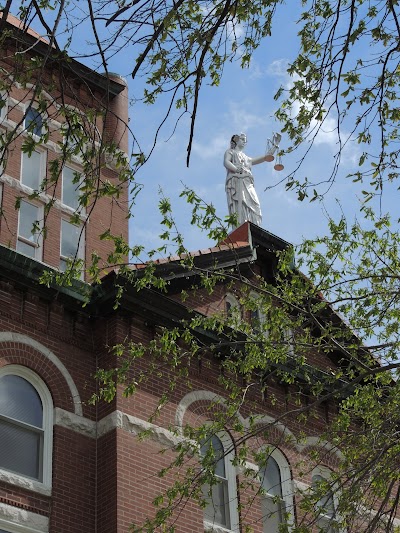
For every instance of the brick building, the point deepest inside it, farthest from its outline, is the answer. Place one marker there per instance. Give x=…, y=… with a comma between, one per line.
x=68, y=465
x=50, y=145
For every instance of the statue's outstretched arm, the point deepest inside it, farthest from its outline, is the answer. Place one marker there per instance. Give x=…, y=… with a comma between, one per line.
x=258, y=160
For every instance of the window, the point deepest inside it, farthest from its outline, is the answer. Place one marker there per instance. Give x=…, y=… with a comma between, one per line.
x=232, y=307
x=221, y=498
x=29, y=230
x=3, y=106
x=72, y=243
x=277, y=500
x=33, y=169
x=289, y=339
x=257, y=321
x=70, y=187
x=326, y=504
x=273, y=506
x=33, y=121
x=230, y=304
x=26, y=412
x=72, y=139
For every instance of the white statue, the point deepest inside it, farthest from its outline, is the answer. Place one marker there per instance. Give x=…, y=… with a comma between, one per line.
x=240, y=192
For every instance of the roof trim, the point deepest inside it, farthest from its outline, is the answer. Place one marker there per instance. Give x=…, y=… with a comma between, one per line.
x=39, y=45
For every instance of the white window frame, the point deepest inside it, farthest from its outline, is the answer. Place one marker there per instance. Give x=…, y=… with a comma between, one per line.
x=74, y=168
x=80, y=254
x=4, y=109
x=326, y=473
x=289, y=338
x=230, y=472
x=39, y=245
x=287, y=485
x=77, y=158
x=235, y=310
x=27, y=107
x=42, y=170
x=44, y=486
x=261, y=317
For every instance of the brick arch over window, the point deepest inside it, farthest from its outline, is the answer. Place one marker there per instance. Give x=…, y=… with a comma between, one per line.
x=16, y=348
x=328, y=454
x=203, y=398
x=277, y=432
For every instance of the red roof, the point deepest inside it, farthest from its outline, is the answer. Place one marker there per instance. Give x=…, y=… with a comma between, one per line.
x=240, y=234
x=205, y=251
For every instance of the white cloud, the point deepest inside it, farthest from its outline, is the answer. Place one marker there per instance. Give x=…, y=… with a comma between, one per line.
x=327, y=133
x=214, y=146
x=241, y=120
x=244, y=120
x=278, y=68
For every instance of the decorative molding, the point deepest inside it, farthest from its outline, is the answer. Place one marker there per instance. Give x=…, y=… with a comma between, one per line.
x=19, y=520
x=116, y=420
x=266, y=419
x=24, y=483
x=320, y=443
x=79, y=424
x=195, y=396
x=8, y=336
x=134, y=425
x=300, y=486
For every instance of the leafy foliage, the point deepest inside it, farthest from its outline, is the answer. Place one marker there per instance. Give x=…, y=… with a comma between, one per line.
x=179, y=46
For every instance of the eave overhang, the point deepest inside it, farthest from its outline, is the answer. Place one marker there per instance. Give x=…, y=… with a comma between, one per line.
x=80, y=71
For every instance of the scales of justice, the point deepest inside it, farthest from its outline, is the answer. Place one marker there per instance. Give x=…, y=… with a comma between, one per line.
x=239, y=186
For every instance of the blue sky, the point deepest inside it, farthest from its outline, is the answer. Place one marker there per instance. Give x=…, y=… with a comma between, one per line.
x=242, y=103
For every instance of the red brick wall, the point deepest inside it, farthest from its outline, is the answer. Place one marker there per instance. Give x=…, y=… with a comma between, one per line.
x=105, y=213
x=73, y=501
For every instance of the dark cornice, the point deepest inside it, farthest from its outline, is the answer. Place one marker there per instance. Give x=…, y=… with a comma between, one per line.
x=26, y=273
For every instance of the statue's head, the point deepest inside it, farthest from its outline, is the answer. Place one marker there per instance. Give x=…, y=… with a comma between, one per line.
x=238, y=137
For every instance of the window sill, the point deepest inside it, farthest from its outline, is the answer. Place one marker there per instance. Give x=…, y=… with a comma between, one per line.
x=214, y=528
x=24, y=483
x=42, y=198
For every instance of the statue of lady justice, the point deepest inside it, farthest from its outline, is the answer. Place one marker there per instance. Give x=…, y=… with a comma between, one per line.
x=240, y=192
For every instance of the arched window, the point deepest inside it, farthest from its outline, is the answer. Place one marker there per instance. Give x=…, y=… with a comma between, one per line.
x=26, y=412
x=257, y=319
x=221, y=498
x=326, y=506
x=231, y=304
x=277, y=500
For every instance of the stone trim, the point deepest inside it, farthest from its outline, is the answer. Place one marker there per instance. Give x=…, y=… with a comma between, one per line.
x=134, y=425
x=18, y=520
x=195, y=396
x=115, y=420
x=24, y=483
x=74, y=422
